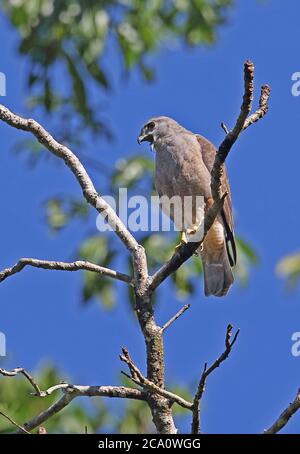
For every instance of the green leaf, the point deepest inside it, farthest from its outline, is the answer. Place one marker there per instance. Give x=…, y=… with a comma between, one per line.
x=289, y=269
x=95, y=249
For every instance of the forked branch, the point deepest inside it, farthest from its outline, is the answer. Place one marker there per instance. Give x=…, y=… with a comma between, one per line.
x=206, y=372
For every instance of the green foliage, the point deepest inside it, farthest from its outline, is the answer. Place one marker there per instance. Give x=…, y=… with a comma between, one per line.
x=96, y=250
x=247, y=257
x=75, y=36
x=60, y=211
x=130, y=172
x=289, y=269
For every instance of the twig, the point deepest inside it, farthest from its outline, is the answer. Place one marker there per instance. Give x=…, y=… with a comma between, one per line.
x=22, y=371
x=14, y=423
x=63, y=266
x=263, y=107
x=285, y=416
x=175, y=317
x=138, y=378
x=224, y=127
x=232, y=135
x=206, y=372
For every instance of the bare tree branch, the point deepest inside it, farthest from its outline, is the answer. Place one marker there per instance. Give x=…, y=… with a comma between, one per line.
x=63, y=266
x=138, y=378
x=72, y=391
x=263, y=107
x=175, y=317
x=206, y=372
x=233, y=135
x=96, y=391
x=285, y=416
x=74, y=164
x=14, y=423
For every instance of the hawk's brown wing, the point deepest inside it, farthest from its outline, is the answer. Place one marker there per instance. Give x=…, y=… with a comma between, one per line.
x=208, y=155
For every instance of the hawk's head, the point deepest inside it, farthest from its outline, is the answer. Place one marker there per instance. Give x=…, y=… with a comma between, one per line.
x=157, y=128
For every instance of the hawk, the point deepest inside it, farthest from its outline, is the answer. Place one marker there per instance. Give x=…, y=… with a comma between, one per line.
x=183, y=165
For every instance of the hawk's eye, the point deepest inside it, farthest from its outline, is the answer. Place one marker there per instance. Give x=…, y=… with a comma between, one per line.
x=151, y=126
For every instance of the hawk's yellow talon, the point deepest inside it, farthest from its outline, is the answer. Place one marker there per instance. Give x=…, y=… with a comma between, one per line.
x=183, y=240
x=193, y=230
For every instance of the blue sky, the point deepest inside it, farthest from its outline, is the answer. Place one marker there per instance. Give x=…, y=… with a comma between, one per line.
x=41, y=313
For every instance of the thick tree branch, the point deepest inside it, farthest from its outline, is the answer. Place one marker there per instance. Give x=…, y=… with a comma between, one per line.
x=55, y=408
x=285, y=416
x=160, y=406
x=74, y=164
x=63, y=266
x=206, y=372
x=122, y=392
x=243, y=121
x=72, y=391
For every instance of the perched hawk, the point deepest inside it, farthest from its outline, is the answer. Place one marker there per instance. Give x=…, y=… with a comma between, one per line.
x=183, y=164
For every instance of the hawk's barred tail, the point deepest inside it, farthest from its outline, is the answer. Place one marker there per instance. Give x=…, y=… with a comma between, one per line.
x=218, y=275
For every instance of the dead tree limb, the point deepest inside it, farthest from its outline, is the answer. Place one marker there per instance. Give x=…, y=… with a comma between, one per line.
x=63, y=266
x=206, y=372
x=285, y=416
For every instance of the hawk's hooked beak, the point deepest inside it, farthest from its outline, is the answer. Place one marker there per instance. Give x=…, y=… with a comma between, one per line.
x=144, y=138
x=140, y=139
